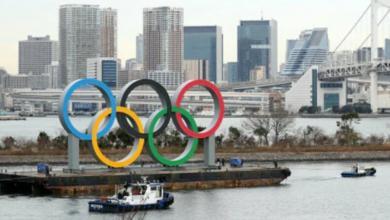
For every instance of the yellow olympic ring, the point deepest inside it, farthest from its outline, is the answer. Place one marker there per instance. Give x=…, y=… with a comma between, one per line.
x=138, y=144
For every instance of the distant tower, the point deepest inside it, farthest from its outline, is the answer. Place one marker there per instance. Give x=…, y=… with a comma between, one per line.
x=35, y=53
x=79, y=38
x=108, y=34
x=163, y=39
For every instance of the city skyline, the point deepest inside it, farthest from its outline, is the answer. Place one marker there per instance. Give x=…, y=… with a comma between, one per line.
x=289, y=24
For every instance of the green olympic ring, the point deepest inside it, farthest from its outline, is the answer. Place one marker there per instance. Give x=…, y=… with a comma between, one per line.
x=190, y=147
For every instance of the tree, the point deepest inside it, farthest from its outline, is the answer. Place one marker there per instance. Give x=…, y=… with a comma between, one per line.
x=346, y=134
x=9, y=142
x=234, y=133
x=60, y=141
x=280, y=123
x=261, y=127
x=43, y=139
x=277, y=123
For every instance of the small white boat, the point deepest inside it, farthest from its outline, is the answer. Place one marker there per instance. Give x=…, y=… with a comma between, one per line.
x=133, y=197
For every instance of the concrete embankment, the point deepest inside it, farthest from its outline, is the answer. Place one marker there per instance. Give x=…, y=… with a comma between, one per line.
x=14, y=160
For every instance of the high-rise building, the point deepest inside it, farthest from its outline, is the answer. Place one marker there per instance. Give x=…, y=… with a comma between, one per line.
x=290, y=47
x=108, y=32
x=79, y=38
x=363, y=55
x=163, y=39
x=195, y=69
x=310, y=49
x=104, y=69
x=257, y=46
x=35, y=53
x=131, y=64
x=139, y=48
x=205, y=43
x=231, y=72
x=52, y=71
x=166, y=78
x=387, y=48
x=19, y=81
x=41, y=81
x=257, y=73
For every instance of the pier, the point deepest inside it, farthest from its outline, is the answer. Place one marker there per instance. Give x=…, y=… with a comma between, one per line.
x=105, y=181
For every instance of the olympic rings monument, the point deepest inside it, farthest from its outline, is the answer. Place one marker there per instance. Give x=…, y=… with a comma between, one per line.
x=117, y=109
x=74, y=181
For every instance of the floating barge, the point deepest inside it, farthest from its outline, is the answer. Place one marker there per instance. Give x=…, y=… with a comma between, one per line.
x=101, y=182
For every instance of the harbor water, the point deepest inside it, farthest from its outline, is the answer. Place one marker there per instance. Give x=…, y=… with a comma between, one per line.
x=51, y=125
x=314, y=191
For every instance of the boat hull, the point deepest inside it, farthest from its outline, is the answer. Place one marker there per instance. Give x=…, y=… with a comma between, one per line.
x=108, y=206
x=367, y=172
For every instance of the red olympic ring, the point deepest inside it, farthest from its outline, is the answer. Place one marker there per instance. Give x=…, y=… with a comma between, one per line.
x=218, y=103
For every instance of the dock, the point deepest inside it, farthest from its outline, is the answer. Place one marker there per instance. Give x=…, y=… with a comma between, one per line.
x=105, y=181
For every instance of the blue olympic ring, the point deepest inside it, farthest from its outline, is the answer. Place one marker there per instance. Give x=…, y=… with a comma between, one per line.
x=66, y=96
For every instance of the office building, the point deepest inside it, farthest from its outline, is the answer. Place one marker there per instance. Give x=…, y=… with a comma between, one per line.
x=387, y=49
x=79, y=39
x=139, y=45
x=108, y=32
x=35, y=53
x=166, y=78
x=163, y=39
x=19, y=81
x=52, y=71
x=205, y=43
x=257, y=73
x=132, y=64
x=290, y=47
x=310, y=49
x=195, y=69
x=231, y=72
x=363, y=55
x=257, y=45
x=38, y=82
x=104, y=69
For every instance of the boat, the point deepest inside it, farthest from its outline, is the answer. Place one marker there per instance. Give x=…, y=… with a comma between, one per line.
x=359, y=172
x=133, y=197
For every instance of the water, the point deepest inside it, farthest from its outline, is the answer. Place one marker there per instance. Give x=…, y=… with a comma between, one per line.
x=30, y=128
x=314, y=191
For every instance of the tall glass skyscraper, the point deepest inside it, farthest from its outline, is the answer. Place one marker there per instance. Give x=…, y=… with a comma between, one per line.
x=257, y=46
x=163, y=39
x=205, y=43
x=311, y=48
x=79, y=38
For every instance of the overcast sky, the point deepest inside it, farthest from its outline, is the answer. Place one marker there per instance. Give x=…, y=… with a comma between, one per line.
x=20, y=18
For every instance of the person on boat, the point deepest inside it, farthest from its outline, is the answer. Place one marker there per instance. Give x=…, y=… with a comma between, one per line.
x=355, y=168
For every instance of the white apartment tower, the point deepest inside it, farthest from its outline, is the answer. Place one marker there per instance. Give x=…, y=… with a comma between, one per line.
x=79, y=39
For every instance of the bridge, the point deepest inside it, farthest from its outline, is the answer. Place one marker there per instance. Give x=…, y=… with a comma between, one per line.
x=331, y=72
x=262, y=101
x=258, y=85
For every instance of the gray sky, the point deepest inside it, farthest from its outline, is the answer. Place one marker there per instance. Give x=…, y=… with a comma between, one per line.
x=20, y=18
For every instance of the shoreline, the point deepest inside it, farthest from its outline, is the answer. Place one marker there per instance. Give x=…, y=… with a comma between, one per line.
x=258, y=157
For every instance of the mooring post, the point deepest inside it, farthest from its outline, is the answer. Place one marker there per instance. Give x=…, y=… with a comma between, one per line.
x=209, y=151
x=73, y=153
